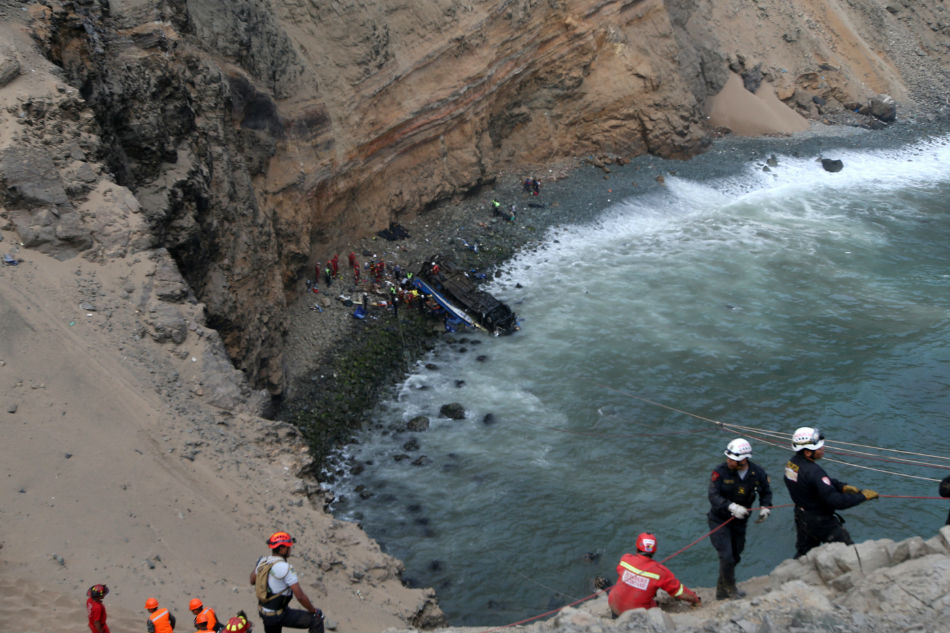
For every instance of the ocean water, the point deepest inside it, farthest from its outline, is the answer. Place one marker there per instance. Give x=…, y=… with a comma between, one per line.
x=761, y=299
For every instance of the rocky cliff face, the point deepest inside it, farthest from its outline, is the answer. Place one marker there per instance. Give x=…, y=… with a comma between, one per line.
x=257, y=136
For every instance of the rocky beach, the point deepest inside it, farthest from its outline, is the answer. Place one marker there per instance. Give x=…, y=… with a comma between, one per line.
x=171, y=178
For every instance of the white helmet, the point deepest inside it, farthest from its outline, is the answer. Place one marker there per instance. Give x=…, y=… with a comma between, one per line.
x=807, y=437
x=738, y=449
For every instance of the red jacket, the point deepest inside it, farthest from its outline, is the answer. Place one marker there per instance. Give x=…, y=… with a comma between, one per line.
x=638, y=579
x=97, y=613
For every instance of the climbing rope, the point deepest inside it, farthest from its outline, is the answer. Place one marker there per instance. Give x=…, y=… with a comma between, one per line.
x=779, y=439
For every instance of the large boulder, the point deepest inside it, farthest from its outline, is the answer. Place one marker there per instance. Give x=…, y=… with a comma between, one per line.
x=883, y=107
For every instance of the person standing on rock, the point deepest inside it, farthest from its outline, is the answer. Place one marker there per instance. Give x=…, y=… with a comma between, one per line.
x=95, y=609
x=639, y=577
x=733, y=487
x=944, y=491
x=276, y=583
x=816, y=495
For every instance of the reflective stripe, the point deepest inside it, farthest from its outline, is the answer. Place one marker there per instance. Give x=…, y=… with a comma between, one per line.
x=640, y=572
x=677, y=594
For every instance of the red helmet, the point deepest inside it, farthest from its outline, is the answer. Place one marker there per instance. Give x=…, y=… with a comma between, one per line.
x=280, y=538
x=237, y=624
x=97, y=592
x=646, y=543
x=194, y=604
x=151, y=603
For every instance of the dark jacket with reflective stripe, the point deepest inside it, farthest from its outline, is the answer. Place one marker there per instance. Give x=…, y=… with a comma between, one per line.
x=725, y=487
x=813, y=490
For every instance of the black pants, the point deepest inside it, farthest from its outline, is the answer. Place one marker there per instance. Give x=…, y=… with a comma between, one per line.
x=813, y=529
x=729, y=540
x=293, y=619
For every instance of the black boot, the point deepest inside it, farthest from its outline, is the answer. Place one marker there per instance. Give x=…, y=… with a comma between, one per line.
x=721, y=592
x=726, y=587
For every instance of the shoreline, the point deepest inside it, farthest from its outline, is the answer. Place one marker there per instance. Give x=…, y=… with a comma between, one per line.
x=345, y=386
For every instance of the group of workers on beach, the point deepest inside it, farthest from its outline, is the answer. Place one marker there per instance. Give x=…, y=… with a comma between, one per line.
x=734, y=487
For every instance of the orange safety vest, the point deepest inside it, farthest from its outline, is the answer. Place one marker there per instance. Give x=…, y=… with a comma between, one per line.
x=161, y=621
x=206, y=620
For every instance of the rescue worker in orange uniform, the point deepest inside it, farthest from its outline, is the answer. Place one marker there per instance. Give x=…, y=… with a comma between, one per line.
x=639, y=577
x=205, y=618
x=160, y=620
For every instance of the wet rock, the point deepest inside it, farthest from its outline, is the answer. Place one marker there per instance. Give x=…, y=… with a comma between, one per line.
x=489, y=419
x=422, y=460
x=411, y=445
x=832, y=165
x=418, y=424
x=454, y=411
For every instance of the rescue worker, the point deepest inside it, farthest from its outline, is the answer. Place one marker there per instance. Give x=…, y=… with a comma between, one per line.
x=733, y=487
x=639, y=577
x=159, y=620
x=205, y=618
x=95, y=609
x=239, y=624
x=281, y=586
x=816, y=495
x=944, y=490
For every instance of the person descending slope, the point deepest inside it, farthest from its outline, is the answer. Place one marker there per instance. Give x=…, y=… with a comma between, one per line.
x=275, y=584
x=159, y=620
x=639, y=577
x=96, y=610
x=205, y=617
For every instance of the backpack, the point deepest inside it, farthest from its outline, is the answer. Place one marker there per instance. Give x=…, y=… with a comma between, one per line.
x=261, y=588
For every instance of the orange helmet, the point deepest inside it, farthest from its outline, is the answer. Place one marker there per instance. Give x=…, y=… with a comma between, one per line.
x=194, y=604
x=280, y=538
x=151, y=603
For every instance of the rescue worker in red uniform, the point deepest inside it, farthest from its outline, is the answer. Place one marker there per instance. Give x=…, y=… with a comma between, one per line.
x=639, y=577
x=816, y=495
x=96, y=610
x=205, y=618
x=733, y=487
x=159, y=620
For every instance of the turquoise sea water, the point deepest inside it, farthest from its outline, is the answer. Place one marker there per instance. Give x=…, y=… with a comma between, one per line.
x=768, y=299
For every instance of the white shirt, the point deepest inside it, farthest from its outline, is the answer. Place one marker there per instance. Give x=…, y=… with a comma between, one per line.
x=281, y=576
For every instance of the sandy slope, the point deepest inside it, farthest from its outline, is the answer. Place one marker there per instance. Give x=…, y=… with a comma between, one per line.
x=104, y=480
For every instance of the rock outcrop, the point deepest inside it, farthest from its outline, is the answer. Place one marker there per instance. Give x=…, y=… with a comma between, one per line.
x=256, y=136
x=871, y=587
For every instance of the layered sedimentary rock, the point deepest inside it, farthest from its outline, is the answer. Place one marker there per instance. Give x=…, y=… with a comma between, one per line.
x=257, y=135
